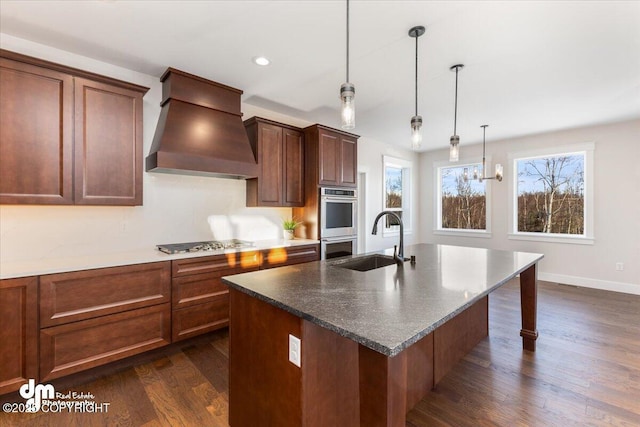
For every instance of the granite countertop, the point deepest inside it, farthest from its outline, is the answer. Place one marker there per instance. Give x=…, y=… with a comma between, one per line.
x=389, y=308
x=36, y=267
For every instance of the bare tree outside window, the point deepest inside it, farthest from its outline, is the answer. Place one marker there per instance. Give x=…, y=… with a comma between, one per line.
x=551, y=194
x=463, y=203
x=393, y=194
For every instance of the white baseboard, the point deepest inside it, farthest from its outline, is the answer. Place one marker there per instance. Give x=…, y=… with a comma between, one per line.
x=627, y=288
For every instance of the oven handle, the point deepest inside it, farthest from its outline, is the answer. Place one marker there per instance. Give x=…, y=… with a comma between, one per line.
x=340, y=199
x=339, y=239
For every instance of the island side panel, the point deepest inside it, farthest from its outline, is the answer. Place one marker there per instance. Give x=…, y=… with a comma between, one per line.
x=264, y=387
x=419, y=370
x=458, y=336
x=529, y=307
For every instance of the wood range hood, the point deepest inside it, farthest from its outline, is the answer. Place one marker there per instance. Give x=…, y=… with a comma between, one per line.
x=200, y=130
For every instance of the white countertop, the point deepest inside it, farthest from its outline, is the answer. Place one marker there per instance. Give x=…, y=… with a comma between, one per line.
x=36, y=267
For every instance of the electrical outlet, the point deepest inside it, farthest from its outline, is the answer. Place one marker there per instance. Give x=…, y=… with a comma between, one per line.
x=294, y=350
x=619, y=266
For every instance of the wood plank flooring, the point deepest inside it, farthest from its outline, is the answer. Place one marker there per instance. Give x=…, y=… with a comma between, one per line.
x=585, y=372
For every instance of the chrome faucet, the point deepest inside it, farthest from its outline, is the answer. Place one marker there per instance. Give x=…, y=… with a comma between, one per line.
x=397, y=255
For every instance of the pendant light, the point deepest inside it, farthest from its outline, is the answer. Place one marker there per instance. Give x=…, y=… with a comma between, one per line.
x=498, y=172
x=454, y=153
x=416, y=120
x=348, y=92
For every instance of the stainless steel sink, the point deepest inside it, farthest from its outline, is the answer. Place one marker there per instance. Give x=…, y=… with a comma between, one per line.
x=367, y=263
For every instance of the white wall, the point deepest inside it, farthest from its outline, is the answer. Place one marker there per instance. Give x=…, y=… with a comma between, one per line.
x=617, y=207
x=175, y=207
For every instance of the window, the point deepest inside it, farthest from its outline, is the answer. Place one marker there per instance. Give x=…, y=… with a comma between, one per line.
x=552, y=196
x=397, y=180
x=461, y=205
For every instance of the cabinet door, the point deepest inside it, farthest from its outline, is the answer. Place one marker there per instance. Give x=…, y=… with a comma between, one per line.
x=36, y=135
x=108, y=144
x=329, y=158
x=270, y=159
x=349, y=162
x=293, y=177
x=19, y=332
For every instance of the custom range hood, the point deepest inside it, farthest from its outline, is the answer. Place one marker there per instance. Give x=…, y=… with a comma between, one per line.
x=200, y=130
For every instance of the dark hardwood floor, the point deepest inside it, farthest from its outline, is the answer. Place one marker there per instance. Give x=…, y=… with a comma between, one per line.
x=585, y=372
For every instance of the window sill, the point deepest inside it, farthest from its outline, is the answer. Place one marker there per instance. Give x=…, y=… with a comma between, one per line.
x=552, y=238
x=463, y=233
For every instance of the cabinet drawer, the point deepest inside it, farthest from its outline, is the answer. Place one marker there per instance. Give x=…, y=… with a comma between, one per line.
x=198, y=288
x=236, y=260
x=69, y=297
x=278, y=257
x=81, y=345
x=199, y=319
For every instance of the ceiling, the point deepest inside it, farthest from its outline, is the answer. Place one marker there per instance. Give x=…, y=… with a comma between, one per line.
x=530, y=67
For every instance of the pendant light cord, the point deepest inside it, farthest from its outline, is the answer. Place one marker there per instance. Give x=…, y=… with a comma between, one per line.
x=347, y=41
x=484, y=131
x=455, y=111
x=416, y=75
x=484, y=173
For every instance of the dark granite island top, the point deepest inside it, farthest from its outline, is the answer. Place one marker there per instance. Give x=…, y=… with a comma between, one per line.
x=389, y=308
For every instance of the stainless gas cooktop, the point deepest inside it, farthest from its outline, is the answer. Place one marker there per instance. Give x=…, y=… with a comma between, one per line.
x=180, y=248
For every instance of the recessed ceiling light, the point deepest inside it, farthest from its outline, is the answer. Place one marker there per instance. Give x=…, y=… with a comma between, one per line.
x=261, y=60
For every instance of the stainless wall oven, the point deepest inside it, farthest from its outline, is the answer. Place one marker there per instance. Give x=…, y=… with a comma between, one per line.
x=338, y=212
x=338, y=222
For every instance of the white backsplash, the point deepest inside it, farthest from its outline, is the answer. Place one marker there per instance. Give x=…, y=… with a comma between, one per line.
x=176, y=209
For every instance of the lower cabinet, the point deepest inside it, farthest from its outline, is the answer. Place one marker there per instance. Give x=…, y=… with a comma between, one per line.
x=18, y=332
x=92, y=317
x=77, y=346
x=200, y=301
x=290, y=255
x=59, y=324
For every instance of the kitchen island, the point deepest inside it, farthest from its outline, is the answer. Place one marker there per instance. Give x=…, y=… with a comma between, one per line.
x=372, y=343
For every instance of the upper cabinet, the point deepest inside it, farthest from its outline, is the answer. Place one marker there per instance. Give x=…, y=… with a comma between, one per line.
x=332, y=156
x=68, y=136
x=279, y=150
x=36, y=134
x=108, y=144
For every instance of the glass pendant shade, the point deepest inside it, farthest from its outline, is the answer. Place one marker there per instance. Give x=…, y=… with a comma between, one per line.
x=453, y=149
x=499, y=172
x=475, y=172
x=347, y=97
x=416, y=132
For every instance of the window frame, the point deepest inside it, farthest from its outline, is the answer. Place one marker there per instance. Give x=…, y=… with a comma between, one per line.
x=588, y=238
x=407, y=218
x=437, y=226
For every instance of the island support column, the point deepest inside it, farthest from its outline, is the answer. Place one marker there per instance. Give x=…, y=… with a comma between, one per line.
x=528, y=304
